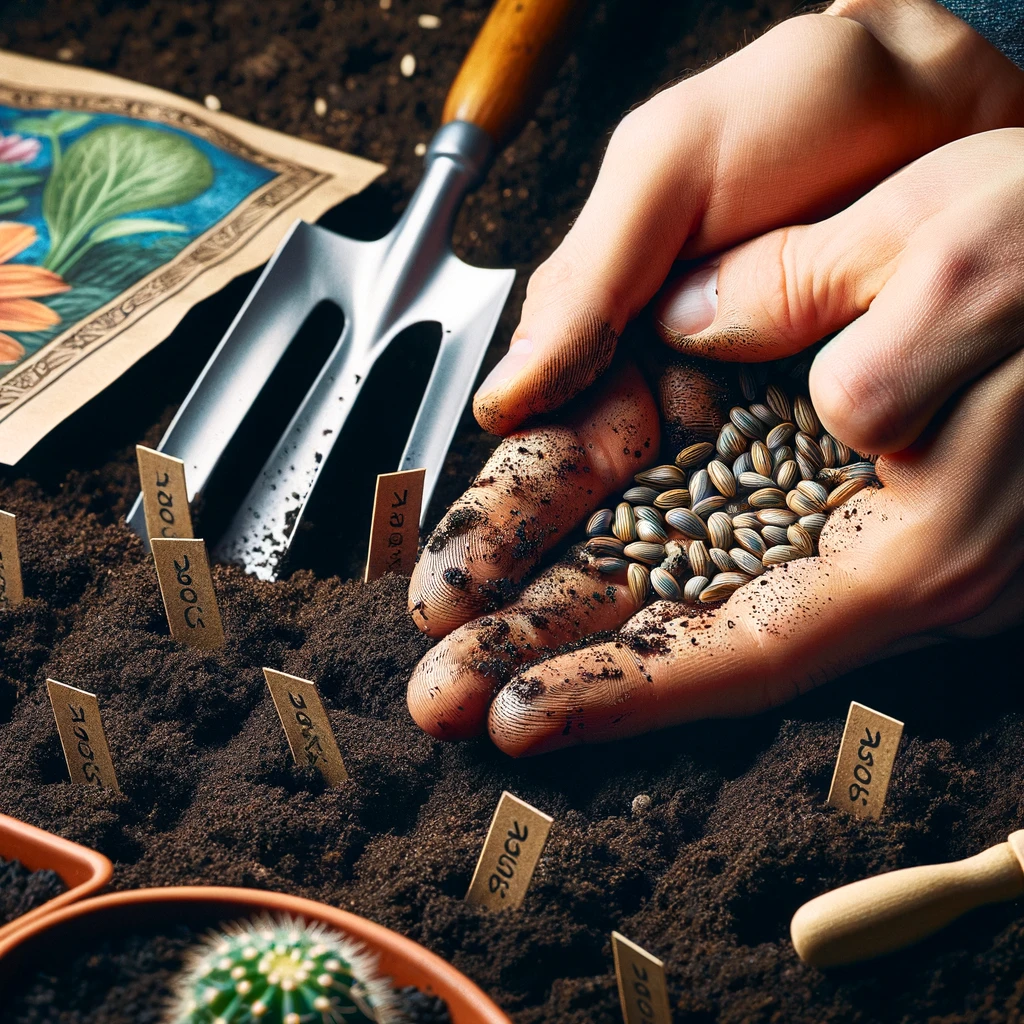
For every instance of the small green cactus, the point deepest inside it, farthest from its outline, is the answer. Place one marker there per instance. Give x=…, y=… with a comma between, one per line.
x=280, y=971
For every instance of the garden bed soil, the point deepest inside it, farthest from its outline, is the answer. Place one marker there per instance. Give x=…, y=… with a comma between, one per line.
x=737, y=834
x=22, y=890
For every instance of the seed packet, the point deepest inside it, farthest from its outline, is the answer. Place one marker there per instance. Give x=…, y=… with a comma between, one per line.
x=121, y=207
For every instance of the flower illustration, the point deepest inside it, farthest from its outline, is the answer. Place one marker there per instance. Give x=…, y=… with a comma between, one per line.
x=20, y=284
x=14, y=149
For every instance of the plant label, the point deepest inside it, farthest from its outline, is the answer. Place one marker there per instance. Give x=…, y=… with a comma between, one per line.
x=183, y=569
x=305, y=725
x=164, y=498
x=511, y=850
x=395, y=529
x=77, y=713
x=641, y=978
x=11, y=590
x=864, y=765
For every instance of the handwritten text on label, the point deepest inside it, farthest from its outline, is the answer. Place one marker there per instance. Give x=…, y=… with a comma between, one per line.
x=864, y=765
x=643, y=994
x=164, y=497
x=395, y=529
x=11, y=590
x=183, y=570
x=77, y=713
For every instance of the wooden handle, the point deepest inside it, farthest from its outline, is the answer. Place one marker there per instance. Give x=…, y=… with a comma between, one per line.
x=520, y=46
x=887, y=912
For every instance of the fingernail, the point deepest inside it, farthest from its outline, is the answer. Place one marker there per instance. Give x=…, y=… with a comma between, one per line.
x=517, y=356
x=694, y=304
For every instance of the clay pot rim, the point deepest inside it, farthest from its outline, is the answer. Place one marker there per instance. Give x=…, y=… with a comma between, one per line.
x=84, y=871
x=472, y=1005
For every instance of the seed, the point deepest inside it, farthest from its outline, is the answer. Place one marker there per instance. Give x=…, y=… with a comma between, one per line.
x=652, y=515
x=750, y=520
x=751, y=541
x=767, y=497
x=829, y=477
x=665, y=585
x=802, y=505
x=813, y=523
x=720, y=529
x=775, y=517
x=748, y=383
x=746, y=423
x=845, y=491
x=753, y=481
x=651, y=533
x=779, y=554
x=780, y=434
x=742, y=464
x=800, y=539
x=687, y=522
x=722, y=560
x=829, y=452
x=808, y=471
x=746, y=562
x=803, y=413
x=699, y=558
x=778, y=402
x=774, y=535
x=765, y=415
x=857, y=471
x=644, y=551
x=639, y=579
x=710, y=504
x=407, y=65
x=661, y=477
x=782, y=454
x=601, y=547
x=678, y=497
x=736, y=507
x=731, y=442
x=761, y=458
x=624, y=526
x=600, y=522
x=722, y=585
x=611, y=565
x=694, y=586
x=694, y=454
x=787, y=475
x=721, y=476
x=842, y=452
x=640, y=495
x=810, y=450
x=700, y=486
x=813, y=490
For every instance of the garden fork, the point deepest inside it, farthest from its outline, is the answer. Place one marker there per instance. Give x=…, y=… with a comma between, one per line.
x=410, y=276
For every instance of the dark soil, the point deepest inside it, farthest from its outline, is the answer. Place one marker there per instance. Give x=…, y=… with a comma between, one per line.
x=737, y=834
x=22, y=890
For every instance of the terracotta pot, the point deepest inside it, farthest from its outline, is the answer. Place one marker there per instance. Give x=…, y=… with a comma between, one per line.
x=82, y=870
x=401, y=959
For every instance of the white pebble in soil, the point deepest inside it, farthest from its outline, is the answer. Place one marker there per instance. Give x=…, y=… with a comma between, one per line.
x=428, y=21
x=408, y=65
x=319, y=106
x=641, y=803
x=421, y=149
x=211, y=102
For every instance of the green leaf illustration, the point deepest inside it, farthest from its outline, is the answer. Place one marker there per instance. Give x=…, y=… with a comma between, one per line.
x=133, y=226
x=15, y=205
x=59, y=122
x=114, y=170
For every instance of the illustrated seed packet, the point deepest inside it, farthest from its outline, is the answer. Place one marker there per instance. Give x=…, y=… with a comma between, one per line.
x=121, y=207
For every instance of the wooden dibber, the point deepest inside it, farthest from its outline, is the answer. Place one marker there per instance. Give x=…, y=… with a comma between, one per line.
x=887, y=912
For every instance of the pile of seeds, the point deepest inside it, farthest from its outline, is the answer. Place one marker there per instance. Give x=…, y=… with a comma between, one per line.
x=700, y=529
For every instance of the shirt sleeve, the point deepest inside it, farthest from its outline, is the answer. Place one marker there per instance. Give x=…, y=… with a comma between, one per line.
x=1001, y=22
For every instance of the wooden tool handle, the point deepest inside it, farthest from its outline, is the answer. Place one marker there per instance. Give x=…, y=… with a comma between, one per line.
x=521, y=44
x=880, y=914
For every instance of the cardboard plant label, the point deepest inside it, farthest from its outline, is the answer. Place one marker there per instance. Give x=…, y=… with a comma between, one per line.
x=81, y=735
x=164, y=498
x=183, y=569
x=11, y=590
x=641, y=978
x=395, y=529
x=511, y=850
x=864, y=765
x=305, y=725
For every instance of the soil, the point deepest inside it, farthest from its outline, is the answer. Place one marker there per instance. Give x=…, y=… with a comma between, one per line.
x=22, y=890
x=736, y=835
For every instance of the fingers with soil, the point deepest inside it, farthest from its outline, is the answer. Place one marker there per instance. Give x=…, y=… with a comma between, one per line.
x=535, y=488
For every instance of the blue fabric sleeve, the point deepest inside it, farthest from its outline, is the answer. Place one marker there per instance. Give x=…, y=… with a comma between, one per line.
x=1001, y=22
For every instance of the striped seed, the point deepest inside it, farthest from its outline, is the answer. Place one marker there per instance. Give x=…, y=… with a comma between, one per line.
x=761, y=458
x=779, y=554
x=750, y=520
x=694, y=586
x=742, y=464
x=810, y=450
x=610, y=565
x=747, y=423
x=767, y=497
x=843, y=453
x=687, y=522
x=815, y=491
x=721, y=476
x=710, y=504
x=722, y=560
x=782, y=454
x=776, y=517
x=748, y=383
x=661, y=477
x=698, y=557
x=857, y=471
x=602, y=547
x=787, y=475
x=755, y=481
x=829, y=451
x=652, y=515
x=777, y=400
x=665, y=584
x=845, y=491
x=643, y=551
x=640, y=495
x=600, y=522
x=799, y=503
x=829, y=477
x=624, y=525
x=678, y=497
x=695, y=454
x=813, y=523
x=720, y=529
x=808, y=471
x=780, y=435
x=805, y=416
x=774, y=535
x=800, y=539
x=746, y=562
x=765, y=415
x=731, y=442
x=751, y=540
x=736, y=506
x=722, y=585
x=700, y=486
x=651, y=533
x=639, y=579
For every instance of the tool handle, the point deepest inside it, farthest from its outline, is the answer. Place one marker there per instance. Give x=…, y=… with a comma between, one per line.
x=519, y=48
x=878, y=915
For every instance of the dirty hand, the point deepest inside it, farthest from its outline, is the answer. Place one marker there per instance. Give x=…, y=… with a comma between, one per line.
x=924, y=274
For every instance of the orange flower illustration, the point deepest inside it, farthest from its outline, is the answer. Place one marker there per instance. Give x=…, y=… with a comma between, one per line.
x=20, y=284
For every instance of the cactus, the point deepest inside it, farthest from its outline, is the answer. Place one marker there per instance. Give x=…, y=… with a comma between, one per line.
x=280, y=971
